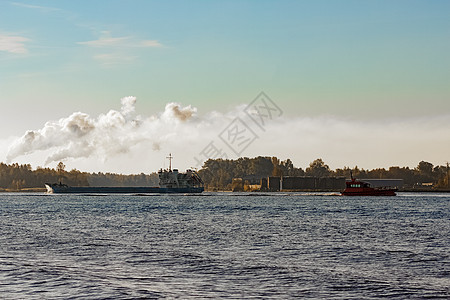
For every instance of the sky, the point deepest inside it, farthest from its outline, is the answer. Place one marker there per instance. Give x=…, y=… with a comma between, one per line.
x=115, y=86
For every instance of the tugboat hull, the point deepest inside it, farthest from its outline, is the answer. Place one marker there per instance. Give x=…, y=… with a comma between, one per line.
x=360, y=188
x=371, y=192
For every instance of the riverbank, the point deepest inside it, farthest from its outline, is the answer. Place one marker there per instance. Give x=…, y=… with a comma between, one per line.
x=27, y=190
x=43, y=190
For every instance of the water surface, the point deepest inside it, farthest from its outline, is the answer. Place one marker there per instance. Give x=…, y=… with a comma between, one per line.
x=224, y=246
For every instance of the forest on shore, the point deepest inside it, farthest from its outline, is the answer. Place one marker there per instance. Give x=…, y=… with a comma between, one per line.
x=17, y=177
x=218, y=174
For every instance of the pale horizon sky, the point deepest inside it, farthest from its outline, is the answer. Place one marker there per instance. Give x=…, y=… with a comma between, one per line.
x=362, y=83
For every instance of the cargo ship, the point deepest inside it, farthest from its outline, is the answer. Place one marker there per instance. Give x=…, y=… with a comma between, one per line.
x=170, y=181
x=360, y=188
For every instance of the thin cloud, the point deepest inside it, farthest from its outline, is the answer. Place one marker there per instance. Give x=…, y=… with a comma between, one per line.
x=13, y=44
x=151, y=43
x=44, y=9
x=106, y=40
x=112, y=59
x=114, y=51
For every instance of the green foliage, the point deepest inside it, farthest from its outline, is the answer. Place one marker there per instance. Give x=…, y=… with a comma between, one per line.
x=16, y=177
x=318, y=169
x=219, y=173
x=110, y=179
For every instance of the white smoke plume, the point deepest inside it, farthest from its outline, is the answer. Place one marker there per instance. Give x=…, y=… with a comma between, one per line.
x=128, y=105
x=116, y=132
x=122, y=141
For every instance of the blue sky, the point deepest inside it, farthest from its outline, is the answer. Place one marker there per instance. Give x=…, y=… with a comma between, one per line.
x=374, y=61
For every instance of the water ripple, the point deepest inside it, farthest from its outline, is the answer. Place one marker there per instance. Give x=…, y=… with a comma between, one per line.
x=224, y=246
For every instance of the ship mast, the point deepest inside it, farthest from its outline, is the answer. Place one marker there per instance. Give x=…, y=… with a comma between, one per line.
x=170, y=157
x=447, y=177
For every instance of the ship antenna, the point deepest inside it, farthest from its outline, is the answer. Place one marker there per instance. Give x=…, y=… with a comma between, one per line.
x=170, y=157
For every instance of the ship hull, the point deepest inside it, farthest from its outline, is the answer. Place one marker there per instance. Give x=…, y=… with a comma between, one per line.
x=64, y=189
x=369, y=192
x=362, y=188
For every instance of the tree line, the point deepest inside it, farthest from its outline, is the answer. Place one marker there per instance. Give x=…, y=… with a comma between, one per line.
x=218, y=174
x=16, y=177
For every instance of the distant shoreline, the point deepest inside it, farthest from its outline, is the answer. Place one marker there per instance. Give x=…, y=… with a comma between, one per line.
x=43, y=190
x=27, y=190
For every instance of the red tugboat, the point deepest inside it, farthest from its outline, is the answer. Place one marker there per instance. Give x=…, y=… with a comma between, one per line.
x=361, y=188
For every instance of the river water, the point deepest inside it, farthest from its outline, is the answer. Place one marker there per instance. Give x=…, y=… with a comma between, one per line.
x=224, y=246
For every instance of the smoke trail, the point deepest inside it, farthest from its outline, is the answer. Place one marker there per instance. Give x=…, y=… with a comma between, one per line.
x=90, y=140
x=115, y=132
x=173, y=111
x=128, y=105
